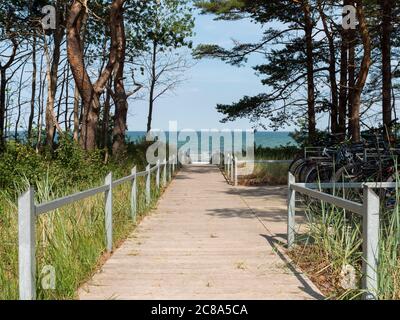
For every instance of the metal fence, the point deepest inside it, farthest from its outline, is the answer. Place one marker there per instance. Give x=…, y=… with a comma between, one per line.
x=231, y=163
x=28, y=212
x=368, y=210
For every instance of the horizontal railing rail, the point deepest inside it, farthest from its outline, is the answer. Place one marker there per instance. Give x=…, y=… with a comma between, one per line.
x=57, y=203
x=368, y=210
x=28, y=212
x=340, y=202
x=265, y=161
x=347, y=185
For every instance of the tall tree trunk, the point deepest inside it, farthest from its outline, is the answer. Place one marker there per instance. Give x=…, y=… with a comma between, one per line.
x=83, y=84
x=89, y=92
x=41, y=107
x=78, y=111
x=363, y=73
x=120, y=96
x=33, y=90
x=352, y=77
x=76, y=114
x=64, y=86
x=152, y=85
x=19, y=102
x=3, y=88
x=106, y=120
x=308, y=28
x=387, y=28
x=66, y=118
x=332, y=70
x=343, y=91
x=351, y=72
x=52, y=79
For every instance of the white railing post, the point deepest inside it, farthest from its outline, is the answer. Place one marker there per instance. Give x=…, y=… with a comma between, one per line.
x=176, y=162
x=27, y=243
x=134, y=194
x=165, y=173
x=370, y=243
x=169, y=169
x=224, y=161
x=158, y=174
x=173, y=164
x=108, y=212
x=232, y=177
x=291, y=211
x=228, y=165
x=148, y=182
x=232, y=168
x=235, y=180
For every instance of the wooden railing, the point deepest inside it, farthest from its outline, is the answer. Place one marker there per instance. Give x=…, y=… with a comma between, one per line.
x=28, y=212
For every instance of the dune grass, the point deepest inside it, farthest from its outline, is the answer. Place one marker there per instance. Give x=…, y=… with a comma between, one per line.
x=267, y=173
x=71, y=239
x=332, y=243
x=264, y=174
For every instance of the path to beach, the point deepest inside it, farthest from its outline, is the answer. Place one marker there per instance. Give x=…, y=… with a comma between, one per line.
x=206, y=240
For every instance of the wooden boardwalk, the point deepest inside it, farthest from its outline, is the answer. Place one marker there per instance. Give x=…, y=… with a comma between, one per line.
x=205, y=240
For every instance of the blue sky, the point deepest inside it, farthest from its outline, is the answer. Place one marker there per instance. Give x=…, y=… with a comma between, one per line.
x=209, y=82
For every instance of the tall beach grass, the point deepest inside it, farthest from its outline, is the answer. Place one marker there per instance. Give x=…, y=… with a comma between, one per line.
x=70, y=240
x=332, y=243
x=268, y=173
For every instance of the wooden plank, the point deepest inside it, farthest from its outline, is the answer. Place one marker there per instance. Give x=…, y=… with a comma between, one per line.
x=202, y=241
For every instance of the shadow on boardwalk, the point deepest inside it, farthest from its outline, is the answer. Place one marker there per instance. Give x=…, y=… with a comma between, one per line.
x=205, y=240
x=276, y=244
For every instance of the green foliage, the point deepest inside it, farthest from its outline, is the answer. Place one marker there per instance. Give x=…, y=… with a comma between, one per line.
x=69, y=165
x=333, y=237
x=70, y=239
x=269, y=173
x=286, y=59
x=168, y=23
x=17, y=15
x=18, y=164
x=339, y=238
x=302, y=138
x=282, y=44
x=281, y=153
x=224, y=9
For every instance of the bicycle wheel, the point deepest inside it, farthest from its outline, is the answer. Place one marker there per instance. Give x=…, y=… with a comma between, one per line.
x=309, y=165
x=293, y=166
x=299, y=169
x=317, y=174
x=347, y=174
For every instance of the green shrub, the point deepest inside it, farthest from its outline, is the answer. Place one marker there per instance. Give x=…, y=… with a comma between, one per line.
x=70, y=239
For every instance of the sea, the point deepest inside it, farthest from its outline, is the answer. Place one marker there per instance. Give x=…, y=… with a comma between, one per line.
x=262, y=138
